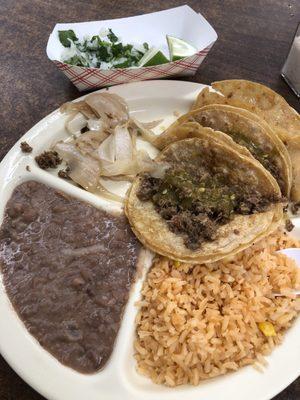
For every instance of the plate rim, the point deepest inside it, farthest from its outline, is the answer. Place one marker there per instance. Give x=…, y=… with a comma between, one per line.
x=55, y=115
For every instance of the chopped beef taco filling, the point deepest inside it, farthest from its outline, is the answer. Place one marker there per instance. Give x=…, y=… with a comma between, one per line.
x=48, y=159
x=197, y=200
x=25, y=148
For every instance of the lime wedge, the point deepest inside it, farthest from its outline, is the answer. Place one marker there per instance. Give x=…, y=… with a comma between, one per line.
x=153, y=57
x=178, y=48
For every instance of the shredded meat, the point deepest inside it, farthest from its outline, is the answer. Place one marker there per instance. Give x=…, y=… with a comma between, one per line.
x=199, y=228
x=148, y=188
x=25, y=147
x=48, y=159
x=252, y=203
x=64, y=173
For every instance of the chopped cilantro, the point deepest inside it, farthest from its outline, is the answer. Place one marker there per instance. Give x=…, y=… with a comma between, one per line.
x=77, y=60
x=112, y=37
x=93, y=51
x=124, y=64
x=127, y=49
x=66, y=36
x=102, y=53
x=92, y=45
x=117, y=49
x=95, y=38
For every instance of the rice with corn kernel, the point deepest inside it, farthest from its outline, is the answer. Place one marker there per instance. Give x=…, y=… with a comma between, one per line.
x=203, y=321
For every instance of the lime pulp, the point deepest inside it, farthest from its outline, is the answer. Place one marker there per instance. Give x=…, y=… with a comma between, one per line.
x=179, y=49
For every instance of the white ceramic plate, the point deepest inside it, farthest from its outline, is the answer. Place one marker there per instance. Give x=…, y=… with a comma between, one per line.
x=118, y=380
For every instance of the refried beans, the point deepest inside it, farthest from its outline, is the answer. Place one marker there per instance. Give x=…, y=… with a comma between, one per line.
x=67, y=268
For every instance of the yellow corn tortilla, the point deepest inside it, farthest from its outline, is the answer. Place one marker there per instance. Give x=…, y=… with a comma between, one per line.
x=238, y=234
x=267, y=104
x=243, y=126
x=257, y=98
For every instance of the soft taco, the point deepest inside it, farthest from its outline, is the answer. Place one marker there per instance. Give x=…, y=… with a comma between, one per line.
x=267, y=104
x=246, y=129
x=211, y=202
x=257, y=98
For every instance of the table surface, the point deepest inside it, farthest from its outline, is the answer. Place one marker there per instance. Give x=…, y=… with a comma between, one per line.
x=254, y=38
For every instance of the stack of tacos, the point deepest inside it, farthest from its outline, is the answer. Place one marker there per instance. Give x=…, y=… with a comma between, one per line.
x=269, y=106
x=230, y=165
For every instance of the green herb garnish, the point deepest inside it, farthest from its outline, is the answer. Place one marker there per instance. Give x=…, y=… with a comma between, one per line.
x=77, y=60
x=66, y=36
x=117, y=49
x=100, y=51
x=112, y=37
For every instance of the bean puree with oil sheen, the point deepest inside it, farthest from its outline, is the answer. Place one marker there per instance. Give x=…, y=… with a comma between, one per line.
x=67, y=268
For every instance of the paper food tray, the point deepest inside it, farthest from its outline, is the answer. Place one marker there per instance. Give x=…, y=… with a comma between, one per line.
x=181, y=22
